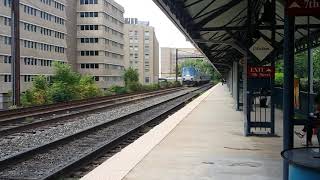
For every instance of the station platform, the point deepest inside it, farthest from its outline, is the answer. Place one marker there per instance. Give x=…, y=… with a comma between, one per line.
x=202, y=141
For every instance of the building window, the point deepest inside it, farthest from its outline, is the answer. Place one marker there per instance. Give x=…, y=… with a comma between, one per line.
x=7, y=21
x=7, y=59
x=7, y=40
x=89, y=14
x=89, y=53
x=89, y=40
x=147, y=80
x=7, y=78
x=88, y=2
x=7, y=3
x=89, y=27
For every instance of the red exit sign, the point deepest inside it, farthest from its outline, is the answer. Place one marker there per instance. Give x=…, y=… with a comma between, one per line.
x=261, y=72
x=303, y=7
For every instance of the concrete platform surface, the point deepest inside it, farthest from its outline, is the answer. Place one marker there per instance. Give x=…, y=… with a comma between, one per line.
x=202, y=141
x=209, y=144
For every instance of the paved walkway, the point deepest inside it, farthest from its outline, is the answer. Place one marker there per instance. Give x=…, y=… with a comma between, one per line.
x=209, y=144
x=202, y=141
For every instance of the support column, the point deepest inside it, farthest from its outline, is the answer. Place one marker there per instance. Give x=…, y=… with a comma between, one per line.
x=238, y=87
x=288, y=88
x=235, y=81
x=15, y=51
x=247, y=59
x=273, y=39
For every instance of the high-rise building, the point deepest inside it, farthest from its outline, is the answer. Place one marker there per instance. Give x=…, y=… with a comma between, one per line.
x=88, y=34
x=168, y=59
x=100, y=38
x=142, y=50
x=43, y=40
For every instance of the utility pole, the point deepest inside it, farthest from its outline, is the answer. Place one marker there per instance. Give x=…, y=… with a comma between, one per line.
x=15, y=51
x=177, y=68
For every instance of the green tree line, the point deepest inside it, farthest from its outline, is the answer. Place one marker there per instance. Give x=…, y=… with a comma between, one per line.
x=301, y=69
x=66, y=85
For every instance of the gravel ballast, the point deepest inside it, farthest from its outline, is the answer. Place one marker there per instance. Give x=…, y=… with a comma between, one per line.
x=20, y=142
x=40, y=165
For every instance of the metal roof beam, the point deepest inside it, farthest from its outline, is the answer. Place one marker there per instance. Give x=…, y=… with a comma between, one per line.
x=244, y=28
x=202, y=10
x=192, y=4
x=217, y=13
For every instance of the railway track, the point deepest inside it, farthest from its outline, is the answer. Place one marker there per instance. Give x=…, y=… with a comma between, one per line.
x=13, y=121
x=56, y=158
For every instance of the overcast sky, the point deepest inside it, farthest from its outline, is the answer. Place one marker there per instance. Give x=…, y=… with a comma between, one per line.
x=166, y=32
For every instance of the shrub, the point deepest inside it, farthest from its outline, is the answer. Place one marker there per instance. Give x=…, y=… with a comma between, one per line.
x=279, y=79
x=130, y=76
x=134, y=86
x=177, y=84
x=151, y=87
x=88, y=88
x=117, y=90
x=61, y=92
x=108, y=93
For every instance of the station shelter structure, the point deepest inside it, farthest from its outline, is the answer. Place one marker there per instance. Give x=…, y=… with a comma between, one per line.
x=243, y=39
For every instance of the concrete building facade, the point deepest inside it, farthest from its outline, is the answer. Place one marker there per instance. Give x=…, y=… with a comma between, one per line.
x=100, y=41
x=43, y=40
x=168, y=59
x=88, y=34
x=142, y=50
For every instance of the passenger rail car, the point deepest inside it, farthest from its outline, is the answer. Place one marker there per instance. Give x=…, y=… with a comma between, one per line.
x=193, y=77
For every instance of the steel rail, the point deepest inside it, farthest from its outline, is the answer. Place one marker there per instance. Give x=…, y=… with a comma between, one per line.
x=16, y=125
x=28, y=111
x=28, y=154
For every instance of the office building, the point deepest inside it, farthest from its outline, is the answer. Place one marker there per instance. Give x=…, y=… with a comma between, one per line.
x=100, y=41
x=142, y=50
x=88, y=34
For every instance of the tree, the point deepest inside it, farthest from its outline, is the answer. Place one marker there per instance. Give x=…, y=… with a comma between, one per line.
x=38, y=94
x=130, y=76
x=131, y=80
x=316, y=63
x=66, y=85
x=88, y=88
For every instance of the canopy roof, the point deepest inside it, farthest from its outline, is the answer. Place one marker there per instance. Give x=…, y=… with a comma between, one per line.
x=218, y=28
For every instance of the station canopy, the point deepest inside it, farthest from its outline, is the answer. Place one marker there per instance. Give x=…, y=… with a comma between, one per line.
x=219, y=28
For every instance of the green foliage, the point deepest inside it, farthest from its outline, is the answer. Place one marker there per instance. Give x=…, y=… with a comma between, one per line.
x=66, y=85
x=117, y=90
x=151, y=87
x=38, y=94
x=62, y=92
x=279, y=79
x=301, y=70
x=304, y=85
x=64, y=73
x=130, y=76
x=134, y=86
x=88, y=88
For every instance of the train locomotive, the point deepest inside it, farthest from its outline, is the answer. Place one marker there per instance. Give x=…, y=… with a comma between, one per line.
x=194, y=77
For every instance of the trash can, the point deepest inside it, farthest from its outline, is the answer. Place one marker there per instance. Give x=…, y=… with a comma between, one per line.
x=304, y=163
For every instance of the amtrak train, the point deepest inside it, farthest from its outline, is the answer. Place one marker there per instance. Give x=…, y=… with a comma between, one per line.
x=193, y=77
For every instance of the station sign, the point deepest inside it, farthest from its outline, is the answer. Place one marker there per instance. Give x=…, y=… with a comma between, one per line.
x=303, y=7
x=261, y=49
x=261, y=72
